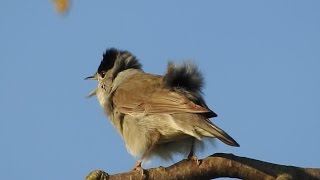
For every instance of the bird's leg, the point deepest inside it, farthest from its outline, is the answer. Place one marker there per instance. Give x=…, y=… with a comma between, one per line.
x=154, y=137
x=191, y=155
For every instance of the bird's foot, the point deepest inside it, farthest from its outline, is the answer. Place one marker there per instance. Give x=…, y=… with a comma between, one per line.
x=194, y=158
x=137, y=166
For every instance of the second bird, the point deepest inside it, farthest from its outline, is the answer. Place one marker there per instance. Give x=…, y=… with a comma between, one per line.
x=155, y=115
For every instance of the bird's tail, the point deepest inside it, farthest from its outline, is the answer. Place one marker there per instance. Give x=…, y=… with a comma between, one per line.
x=215, y=131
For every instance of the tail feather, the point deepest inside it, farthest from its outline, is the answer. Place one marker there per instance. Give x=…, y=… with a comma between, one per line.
x=215, y=131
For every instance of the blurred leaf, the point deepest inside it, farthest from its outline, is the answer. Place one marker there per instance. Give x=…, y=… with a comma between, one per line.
x=62, y=6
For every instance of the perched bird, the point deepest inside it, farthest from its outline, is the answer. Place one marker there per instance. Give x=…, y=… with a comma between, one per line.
x=155, y=115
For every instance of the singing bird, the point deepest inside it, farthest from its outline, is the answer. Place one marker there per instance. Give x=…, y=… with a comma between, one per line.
x=155, y=115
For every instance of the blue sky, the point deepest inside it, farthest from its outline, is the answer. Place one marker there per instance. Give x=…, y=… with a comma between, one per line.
x=260, y=60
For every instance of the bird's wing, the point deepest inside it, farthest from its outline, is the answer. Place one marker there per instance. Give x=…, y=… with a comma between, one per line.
x=144, y=93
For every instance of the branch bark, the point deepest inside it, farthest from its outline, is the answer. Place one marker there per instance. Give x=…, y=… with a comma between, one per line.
x=215, y=166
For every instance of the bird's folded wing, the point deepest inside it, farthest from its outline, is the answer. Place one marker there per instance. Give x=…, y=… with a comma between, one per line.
x=149, y=97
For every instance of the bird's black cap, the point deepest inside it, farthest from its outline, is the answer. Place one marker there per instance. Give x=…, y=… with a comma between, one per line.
x=109, y=58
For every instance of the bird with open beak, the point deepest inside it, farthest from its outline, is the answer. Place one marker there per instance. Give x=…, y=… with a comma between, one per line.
x=156, y=115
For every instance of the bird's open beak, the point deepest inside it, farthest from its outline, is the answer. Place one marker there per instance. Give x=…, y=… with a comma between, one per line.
x=93, y=92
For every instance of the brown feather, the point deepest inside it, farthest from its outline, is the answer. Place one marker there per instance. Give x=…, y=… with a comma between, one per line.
x=145, y=94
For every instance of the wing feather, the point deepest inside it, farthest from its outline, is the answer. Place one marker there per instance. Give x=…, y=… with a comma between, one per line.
x=145, y=94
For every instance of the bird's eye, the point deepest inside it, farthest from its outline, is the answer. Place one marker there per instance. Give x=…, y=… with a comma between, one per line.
x=103, y=74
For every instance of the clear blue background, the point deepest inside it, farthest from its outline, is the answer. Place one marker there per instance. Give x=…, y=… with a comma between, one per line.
x=261, y=62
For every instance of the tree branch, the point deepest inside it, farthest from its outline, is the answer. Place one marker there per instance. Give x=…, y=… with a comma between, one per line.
x=214, y=166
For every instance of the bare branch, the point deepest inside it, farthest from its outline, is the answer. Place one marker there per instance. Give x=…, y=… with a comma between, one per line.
x=214, y=166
